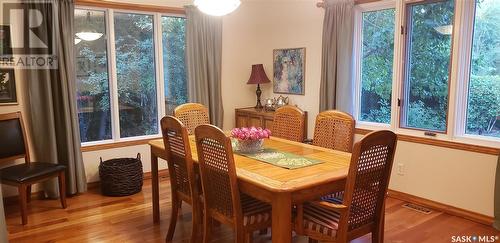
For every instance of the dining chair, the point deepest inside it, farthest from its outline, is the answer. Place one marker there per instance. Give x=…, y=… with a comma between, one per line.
x=289, y=122
x=13, y=145
x=360, y=210
x=334, y=130
x=192, y=115
x=183, y=181
x=223, y=201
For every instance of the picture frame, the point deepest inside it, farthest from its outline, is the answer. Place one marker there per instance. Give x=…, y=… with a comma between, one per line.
x=8, y=95
x=289, y=71
x=5, y=41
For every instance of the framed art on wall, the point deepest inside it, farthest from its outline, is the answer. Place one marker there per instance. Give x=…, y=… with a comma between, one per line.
x=5, y=43
x=289, y=71
x=7, y=87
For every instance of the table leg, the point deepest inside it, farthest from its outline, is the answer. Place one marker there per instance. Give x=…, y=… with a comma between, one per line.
x=282, y=218
x=155, y=188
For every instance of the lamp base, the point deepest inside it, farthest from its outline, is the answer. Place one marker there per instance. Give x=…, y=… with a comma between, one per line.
x=258, y=92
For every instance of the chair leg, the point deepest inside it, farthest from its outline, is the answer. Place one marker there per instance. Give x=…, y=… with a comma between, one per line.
x=62, y=188
x=28, y=193
x=378, y=232
x=207, y=227
x=173, y=219
x=23, y=201
x=248, y=237
x=241, y=236
x=196, y=222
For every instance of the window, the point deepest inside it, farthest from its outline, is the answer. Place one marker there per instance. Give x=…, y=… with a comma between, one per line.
x=135, y=68
x=119, y=93
x=93, y=101
x=428, y=56
x=376, y=61
x=448, y=95
x=483, y=100
x=174, y=66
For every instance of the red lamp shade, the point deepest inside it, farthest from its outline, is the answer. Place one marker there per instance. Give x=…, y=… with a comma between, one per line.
x=258, y=75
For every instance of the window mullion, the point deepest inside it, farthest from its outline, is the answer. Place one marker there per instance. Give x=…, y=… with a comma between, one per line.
x=357, y=49
x=398, y=65
x=465, y=26
x=159, y=68
x=115, y=116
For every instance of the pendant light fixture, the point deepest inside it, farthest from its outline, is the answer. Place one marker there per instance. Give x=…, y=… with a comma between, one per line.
x=88, y=35
x=217, y=7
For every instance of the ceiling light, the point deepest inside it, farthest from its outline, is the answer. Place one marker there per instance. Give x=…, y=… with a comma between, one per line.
x=77, y=40
x=88, y=35
x=217, y=7
x=444, y=29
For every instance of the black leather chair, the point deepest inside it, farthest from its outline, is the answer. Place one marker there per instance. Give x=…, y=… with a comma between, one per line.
x=13, y=145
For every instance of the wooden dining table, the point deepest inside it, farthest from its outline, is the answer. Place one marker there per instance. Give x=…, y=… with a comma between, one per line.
x=280, y=187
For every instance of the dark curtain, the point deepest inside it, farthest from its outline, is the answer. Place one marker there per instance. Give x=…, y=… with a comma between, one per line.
x=203, y=58
x=336, y=89
x=52, y=99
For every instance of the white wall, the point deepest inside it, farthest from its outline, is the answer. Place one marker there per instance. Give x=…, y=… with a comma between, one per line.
x=250, y=36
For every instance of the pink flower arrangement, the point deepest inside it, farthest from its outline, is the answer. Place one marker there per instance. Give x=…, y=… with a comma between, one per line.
x=251, y=133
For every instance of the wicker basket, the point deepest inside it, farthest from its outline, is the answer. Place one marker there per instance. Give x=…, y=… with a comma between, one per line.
x=121, y=177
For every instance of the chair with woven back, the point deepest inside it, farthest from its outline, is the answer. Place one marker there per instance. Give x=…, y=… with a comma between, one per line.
x=289, y=122
x=13, y=145
x=223, y=201
x=183, y=182
x=360, y=210
x=334, y=130
x=192, y=115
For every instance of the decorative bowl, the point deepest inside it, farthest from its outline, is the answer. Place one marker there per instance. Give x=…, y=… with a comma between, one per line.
x=250, y=146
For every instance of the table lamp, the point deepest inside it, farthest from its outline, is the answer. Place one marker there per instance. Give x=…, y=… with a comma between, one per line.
x=258, y=77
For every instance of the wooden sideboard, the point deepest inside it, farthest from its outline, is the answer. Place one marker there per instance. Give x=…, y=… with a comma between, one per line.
x=248, y=117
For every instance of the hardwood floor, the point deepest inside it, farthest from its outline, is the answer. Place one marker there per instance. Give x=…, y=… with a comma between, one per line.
x=94, y=218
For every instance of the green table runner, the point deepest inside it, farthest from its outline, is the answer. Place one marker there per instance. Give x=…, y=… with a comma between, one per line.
x=281, y=159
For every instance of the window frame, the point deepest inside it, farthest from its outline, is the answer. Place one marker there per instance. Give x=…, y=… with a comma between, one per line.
x=458, y=81
x=112, y=71
x=160, y=57
x=405, y=31
x=463, y=61
x=359, y=9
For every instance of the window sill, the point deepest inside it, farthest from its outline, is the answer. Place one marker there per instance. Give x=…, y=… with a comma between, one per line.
x=441, y=143
x=118, y=144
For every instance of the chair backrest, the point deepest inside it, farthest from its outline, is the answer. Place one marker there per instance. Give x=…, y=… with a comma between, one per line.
x=13, y=144
x=334, y=130
x=289, y=122
x=368, y=178
x=218, y=173
x=178, y=156
x=192, y=115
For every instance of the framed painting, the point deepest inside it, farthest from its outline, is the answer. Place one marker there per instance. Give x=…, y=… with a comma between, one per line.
x=7, y=87
x=5, y=43
x=289, y=71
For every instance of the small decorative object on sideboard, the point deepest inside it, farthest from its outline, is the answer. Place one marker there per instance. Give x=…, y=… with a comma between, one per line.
x=275, y=103
x=250, y=140
x=281, y=101
x=258, y=76
x=269, y=104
